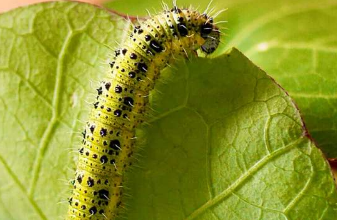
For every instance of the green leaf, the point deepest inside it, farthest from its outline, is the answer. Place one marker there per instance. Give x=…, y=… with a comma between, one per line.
x=49, y=55
x=225, y=142
x=294, y=41
x=296, y=44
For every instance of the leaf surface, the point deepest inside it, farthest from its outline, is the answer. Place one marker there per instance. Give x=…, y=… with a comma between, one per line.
x=50, y=54
x=227, y=142
x=224, y=136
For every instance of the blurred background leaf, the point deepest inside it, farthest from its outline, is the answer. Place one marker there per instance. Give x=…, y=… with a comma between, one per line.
x=294, y=41
x=6, y=5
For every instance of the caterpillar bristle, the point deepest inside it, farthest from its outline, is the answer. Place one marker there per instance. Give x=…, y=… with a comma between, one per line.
x=155, y=11
x=71, y=150
x=219, y=12
x=65, y=182
x=80, y=121
x=209, y=4
x=108, y=46
x=61, y=202
x=165, y=6
x=104, y=216
x=70, y=169
x=220, y=22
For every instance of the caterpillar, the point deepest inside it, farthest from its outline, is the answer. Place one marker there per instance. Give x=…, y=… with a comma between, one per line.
x=122, y=100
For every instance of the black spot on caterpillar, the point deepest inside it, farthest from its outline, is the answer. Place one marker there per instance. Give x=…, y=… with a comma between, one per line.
x=121, y=103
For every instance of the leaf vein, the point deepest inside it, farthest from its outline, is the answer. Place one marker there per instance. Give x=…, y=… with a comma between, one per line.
x=241, y=179
x=55, y=116
x=22, y=188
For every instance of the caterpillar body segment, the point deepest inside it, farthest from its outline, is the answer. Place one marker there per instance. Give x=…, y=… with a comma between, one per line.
x=122, y=100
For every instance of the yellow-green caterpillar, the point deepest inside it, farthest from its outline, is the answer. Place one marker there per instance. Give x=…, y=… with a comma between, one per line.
x=121, y=104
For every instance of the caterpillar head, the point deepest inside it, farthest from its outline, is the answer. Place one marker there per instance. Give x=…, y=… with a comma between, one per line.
x=211, y=34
